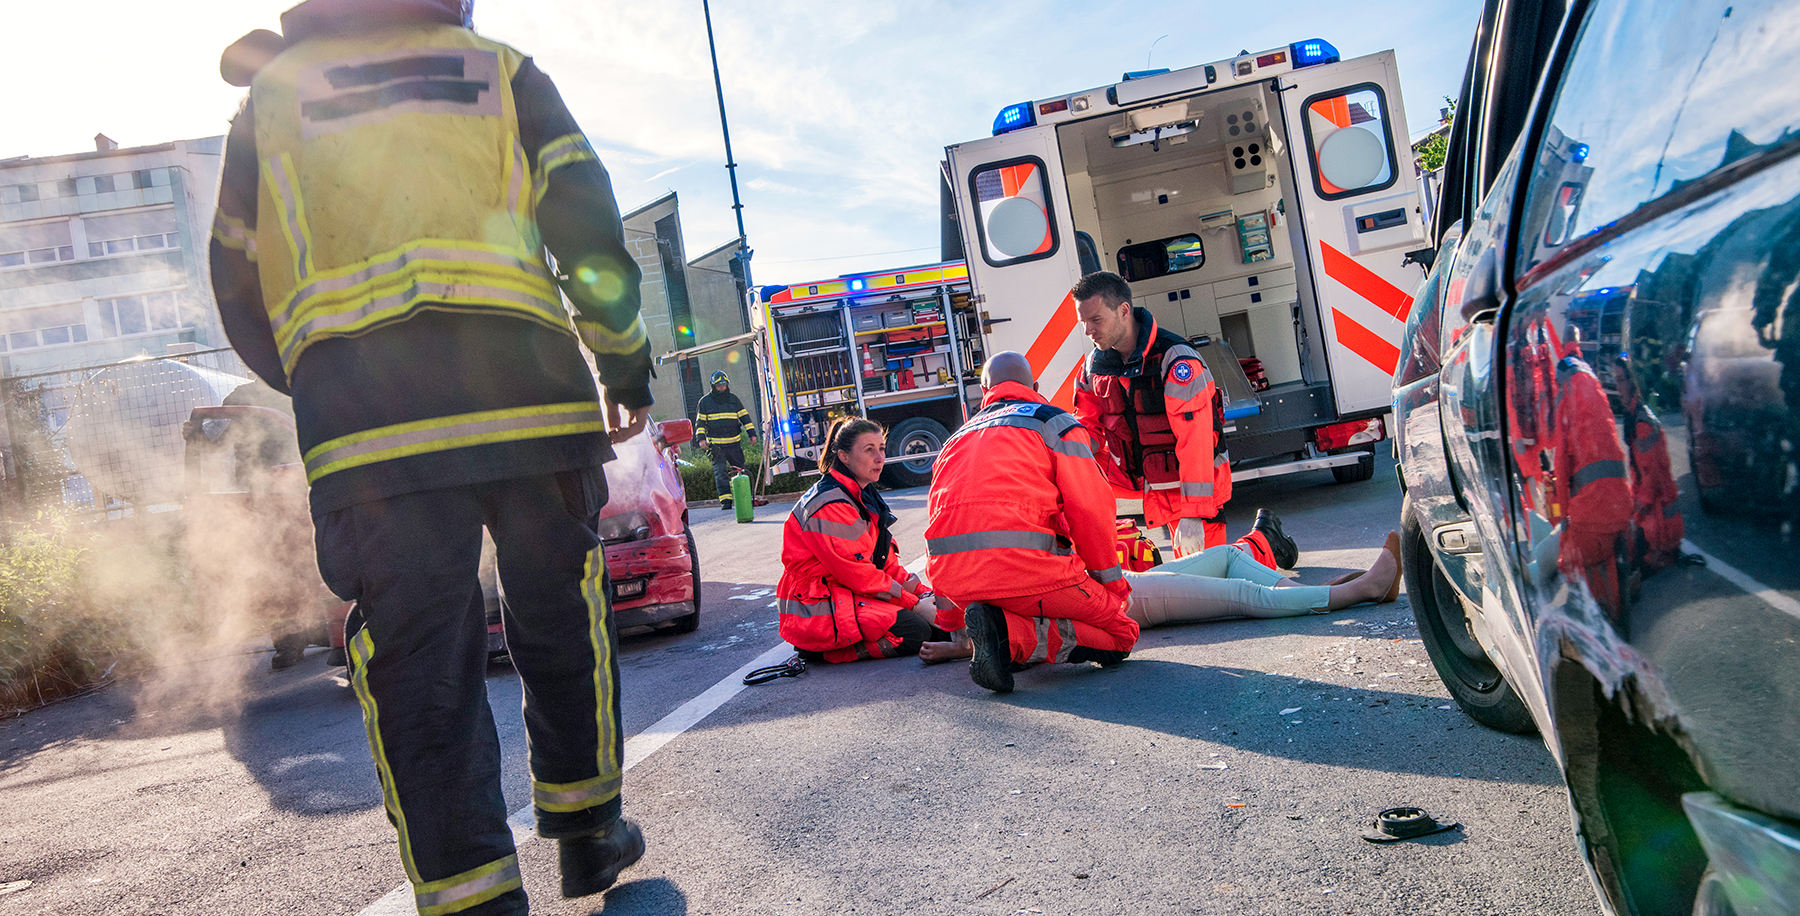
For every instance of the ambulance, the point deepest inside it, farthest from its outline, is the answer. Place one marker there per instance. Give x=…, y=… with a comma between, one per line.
x=1265, y=207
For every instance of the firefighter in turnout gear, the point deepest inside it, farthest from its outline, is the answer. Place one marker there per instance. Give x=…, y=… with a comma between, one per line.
x=723, y=424
x=1156, y=414
x=1592, y=491
x=388, y=192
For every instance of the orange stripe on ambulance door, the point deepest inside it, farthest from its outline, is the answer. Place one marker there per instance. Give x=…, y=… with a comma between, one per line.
x=1365, y=282
x=1051, y=338
x=1365, y=343
x=1065, y=395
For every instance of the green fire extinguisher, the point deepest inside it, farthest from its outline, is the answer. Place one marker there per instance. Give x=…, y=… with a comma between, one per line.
x=740, y=498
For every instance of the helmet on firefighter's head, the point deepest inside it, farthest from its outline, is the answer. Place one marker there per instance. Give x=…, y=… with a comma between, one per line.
x=720, y=378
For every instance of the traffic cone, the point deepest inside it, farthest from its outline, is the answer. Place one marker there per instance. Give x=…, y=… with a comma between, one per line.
x=868, y=364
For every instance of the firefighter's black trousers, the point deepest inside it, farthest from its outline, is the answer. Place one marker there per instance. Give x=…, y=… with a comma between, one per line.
x=724, y=458
x=418, y=658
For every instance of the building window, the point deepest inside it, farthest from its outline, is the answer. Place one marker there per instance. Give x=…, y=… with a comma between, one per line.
x=129, y=315
x=28, y=192
x=103, y=183
x=41, y=327
x=65, y=188
x=12, y=259
x=140, y=179
x=125, y=246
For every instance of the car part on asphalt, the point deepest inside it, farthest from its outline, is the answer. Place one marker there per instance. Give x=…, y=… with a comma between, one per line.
x=1396, y=824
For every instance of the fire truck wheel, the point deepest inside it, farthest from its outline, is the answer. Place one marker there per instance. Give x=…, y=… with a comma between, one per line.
x=912, y=436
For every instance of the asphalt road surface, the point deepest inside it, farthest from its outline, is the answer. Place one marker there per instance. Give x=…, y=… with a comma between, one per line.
x=1227, y=767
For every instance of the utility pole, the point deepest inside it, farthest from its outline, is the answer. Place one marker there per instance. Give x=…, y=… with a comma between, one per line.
x=740, y=261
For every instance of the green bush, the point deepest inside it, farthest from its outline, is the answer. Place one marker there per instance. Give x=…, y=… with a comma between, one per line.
x=55, y=638
x=697, y=474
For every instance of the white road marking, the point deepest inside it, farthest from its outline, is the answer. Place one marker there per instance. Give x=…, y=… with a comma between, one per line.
x=638, y=748
x=1742, y=580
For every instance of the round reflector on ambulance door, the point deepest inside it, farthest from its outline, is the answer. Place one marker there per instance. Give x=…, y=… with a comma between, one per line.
x=1352, y=157
x=1016, y=227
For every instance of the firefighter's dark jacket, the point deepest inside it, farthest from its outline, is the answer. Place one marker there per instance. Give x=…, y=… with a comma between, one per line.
x=723, y=419
x=460, y=393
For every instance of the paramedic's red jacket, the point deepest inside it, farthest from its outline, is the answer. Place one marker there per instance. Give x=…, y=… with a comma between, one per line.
x=1157, y=416
x=1018, y=506
x=827, y=556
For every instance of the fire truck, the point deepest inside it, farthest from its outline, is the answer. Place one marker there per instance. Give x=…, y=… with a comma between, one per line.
x=1265, y=207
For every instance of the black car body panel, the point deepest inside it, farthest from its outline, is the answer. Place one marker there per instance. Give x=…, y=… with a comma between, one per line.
x=1618, y=422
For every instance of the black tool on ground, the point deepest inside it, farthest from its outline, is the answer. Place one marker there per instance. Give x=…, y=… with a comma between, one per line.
x=793, y=667
x=1397, y=824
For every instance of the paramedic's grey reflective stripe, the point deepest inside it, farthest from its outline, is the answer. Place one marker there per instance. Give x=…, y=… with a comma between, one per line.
x=1595, y=470
x=1222, y=459
x=1192, y=387
x=448, y=258
x=551, y=797
x=456, y=897
x=283, y=181
x=1065, y=628
x=894, y=591
x=996, y=540
x=836, y=529
x=1052, y=431
x=1196, y=490
x=804, y=512
x=1113, y=574
x=441, y=436
x=795, y=608
x=458, y=293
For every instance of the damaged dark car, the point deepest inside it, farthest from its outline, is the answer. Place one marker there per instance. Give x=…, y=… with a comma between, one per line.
x=1599, y=432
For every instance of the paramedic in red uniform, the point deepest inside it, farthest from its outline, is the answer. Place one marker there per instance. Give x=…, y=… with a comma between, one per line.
x=1022, y=521
x=1593, y=489
x=1653, y=490
x=843, y=596
x=1156, y=413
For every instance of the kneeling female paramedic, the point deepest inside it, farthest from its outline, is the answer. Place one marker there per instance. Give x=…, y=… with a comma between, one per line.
x=843, y=595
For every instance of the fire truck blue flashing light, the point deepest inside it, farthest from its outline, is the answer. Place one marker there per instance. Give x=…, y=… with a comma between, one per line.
x=1014, y=117
x=1579, y=152
x=1312, y=52
x=858, y=285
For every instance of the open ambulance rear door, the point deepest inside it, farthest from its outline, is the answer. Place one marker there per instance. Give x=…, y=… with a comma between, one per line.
x=1013, y=207
x=1359, y=201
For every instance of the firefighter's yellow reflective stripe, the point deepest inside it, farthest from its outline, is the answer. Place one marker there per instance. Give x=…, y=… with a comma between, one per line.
x=515, y=179
x=574, y=796
x=604, y=341
x=278, y=172
x=230, y=231
x=362, y=650
x=389, y=287
x=477, y=885
x=444, y=433
x=606, y=689
x=567, y=149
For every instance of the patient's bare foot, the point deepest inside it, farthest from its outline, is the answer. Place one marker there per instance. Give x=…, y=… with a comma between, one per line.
x=1382, y=580
x=933, y=653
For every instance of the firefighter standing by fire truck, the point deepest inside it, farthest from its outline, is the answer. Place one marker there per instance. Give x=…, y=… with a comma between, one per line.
x=387, y=193
x=1157, y=415
x=723, y=425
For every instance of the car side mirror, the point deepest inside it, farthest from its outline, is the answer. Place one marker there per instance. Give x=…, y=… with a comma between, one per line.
x=675, y=432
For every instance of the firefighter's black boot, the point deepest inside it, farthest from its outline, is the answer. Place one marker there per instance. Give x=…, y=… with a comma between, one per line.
x=991, y=665
x=289, y=649
x=1286, y=552
x=590, y=864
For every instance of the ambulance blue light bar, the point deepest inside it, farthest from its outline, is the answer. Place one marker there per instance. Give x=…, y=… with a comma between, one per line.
x=1312, y=52
x=1014, y=117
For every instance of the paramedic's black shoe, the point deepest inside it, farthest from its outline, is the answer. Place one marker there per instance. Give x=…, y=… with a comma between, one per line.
x=991, y=665
x=590, y=864
x=1286, y=552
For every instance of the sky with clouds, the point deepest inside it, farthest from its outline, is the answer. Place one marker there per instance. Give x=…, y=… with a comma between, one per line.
x=839, y=110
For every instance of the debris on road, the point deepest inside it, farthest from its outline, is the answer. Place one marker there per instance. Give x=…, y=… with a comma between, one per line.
x=1291, y=710
x=15, y=886
x=1009, y=880
x=1213, y=766
x=1395, y=824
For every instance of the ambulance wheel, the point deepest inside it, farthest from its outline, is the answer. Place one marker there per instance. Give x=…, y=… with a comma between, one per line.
x=1362, y=470
x=691, y=622
x=912, y=436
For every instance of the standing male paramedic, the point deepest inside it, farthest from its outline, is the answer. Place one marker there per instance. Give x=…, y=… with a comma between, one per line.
x=1153, y=406
x=723, y=425
x=388, y=191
